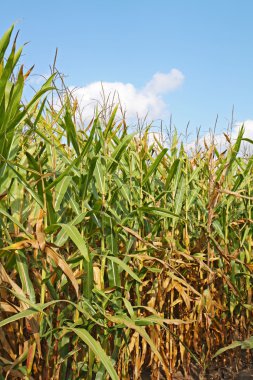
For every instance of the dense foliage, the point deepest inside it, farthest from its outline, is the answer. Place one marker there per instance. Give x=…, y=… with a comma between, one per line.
x=115, y=253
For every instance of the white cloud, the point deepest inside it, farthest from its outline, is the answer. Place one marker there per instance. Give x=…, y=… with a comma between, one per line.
x=163, y=83
x=248, y=133
x=147, y=100
x=220, y=140
x=248, y=126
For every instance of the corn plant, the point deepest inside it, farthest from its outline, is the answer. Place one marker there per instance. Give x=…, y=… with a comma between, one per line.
x=115, y=255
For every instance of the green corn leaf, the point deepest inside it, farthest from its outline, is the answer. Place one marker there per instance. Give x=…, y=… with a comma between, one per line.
x=15, y=221
x=233, y=345
x=23, y=314
x=124, y=320
x=158, y=211
x=100, y=177
x=88, y=282
x=110, y=122
x=75, y=162
x=117, y=153
x=4, y=41
x=88, y=178
x=60, y=191
x=154, y=165
x=77, y=239
x=179, y=199
x=95, y=346
x=124, y=266
x=217, y=226
x=172, y=173
x=71, y=131
x=23, y=271
x=27, y=186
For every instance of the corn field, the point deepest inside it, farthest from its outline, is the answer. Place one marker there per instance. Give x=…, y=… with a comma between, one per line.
x=116, y=255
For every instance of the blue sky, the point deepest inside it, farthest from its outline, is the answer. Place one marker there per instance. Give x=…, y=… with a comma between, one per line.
x=209, y=43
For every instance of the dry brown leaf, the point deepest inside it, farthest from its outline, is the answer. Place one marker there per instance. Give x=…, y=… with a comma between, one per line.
x=7, y=308
x=60, y=262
